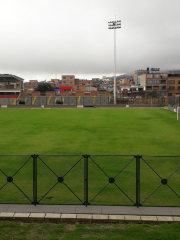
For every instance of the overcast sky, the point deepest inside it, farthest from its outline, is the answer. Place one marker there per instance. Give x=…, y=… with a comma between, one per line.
x=42, y=38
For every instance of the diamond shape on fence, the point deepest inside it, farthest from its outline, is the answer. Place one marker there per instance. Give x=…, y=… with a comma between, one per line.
x=14, y=182
x=161, y=182
x=112, y=188
x=55, y=180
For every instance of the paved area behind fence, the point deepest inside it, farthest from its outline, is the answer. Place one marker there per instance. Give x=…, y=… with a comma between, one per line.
x=79, y=209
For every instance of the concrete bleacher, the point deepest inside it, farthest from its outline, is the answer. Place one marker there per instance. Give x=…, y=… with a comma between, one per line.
x=55, y=100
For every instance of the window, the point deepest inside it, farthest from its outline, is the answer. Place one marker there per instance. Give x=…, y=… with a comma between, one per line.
x=156, y=81
x=156, y=75
x=149, y=75
x=70, y=77
x=169, y=94
x=149, y=82
x=173, y=75
x=155, y=87
x=71, y=82
x=178, y=81
x=171, y=81
x=64, y=77
x=171, y=88
x=163, y=88
x=64, y=81
x=178, y=87
x=163, y=81
x=148, y=88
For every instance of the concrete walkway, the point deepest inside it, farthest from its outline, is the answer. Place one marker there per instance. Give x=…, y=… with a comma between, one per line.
x=69, y=213
x=79, y=209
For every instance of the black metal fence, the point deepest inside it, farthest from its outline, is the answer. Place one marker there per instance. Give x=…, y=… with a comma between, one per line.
x=174, y=102
x=90, y=179
x=139, y=101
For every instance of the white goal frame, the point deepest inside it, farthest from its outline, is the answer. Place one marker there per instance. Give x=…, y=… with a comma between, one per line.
x=178, y=108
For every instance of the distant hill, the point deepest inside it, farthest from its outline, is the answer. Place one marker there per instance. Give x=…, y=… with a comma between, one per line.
x=131, y=75
x=123, y=76
x=173, y=71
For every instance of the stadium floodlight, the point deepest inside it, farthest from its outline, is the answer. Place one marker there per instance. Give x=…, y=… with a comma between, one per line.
x=114, y=25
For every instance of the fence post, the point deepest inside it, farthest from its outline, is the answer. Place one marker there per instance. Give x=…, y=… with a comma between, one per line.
x=34, y=179
x=86, y=179
x=138, y=157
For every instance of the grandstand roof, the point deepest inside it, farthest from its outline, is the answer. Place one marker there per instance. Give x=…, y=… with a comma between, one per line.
x=10, y=78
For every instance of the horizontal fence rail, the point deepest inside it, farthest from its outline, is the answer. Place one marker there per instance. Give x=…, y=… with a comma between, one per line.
x=124, y=180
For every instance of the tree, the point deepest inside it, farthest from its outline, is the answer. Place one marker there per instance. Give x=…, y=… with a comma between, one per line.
x=44, y=87
x=153, y=94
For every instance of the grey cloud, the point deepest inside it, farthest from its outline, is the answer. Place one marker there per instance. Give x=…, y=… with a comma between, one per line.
x=46, y=37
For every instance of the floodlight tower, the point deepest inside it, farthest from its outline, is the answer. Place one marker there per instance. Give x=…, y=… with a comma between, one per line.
x=114, y=25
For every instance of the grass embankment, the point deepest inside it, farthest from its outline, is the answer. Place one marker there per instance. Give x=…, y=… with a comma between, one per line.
x=124, y=231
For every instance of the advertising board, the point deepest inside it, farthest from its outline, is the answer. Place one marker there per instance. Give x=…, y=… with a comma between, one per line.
x=155, y=69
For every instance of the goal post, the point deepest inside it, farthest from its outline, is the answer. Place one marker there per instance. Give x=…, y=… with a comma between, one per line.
x=177, y=110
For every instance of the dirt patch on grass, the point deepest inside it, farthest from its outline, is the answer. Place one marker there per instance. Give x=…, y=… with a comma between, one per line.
x=70, y=227
x=93, y=235
x=107, y=226
x=112, y=226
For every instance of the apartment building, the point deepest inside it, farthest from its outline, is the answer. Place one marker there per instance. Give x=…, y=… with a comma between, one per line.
x=166, y=84
x=76, y=81
x=155, y=82
x=128, y=81
x=68, y=80
x=173, y=85
x=106, y=79
x=133, y=91
x=31, y=85
x=55, y=82
x=137, y=74
x=85, y=82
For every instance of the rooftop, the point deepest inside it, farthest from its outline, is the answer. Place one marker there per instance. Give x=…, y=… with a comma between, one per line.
x=9, y=78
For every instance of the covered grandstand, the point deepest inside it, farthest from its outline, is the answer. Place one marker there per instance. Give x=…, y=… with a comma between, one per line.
x=10, y=86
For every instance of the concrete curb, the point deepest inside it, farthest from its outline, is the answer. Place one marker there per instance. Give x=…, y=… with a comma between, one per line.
x=84, y=218
x=111, y=106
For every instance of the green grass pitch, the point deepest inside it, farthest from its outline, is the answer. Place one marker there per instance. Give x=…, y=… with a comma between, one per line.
x=92, y=131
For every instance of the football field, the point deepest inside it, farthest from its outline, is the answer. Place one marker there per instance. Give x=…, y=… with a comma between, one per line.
x=93, y=131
